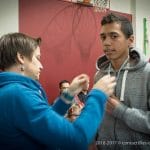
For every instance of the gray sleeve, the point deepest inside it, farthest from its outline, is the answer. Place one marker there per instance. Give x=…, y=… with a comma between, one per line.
x=136, y=119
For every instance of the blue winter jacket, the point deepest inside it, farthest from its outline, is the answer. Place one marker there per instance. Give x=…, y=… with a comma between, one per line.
x=28, y=122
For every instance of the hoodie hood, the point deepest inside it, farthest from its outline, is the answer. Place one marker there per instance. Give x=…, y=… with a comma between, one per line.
x=137, y=61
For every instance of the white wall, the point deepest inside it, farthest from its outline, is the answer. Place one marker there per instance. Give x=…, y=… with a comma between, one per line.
x=138, y=8
x=8, y=16
x=142, y=11
x=121, y=5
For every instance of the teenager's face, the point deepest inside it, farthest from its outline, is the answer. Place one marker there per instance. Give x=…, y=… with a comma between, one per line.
x=33, y=67
x=64, y=87
x=115, y=44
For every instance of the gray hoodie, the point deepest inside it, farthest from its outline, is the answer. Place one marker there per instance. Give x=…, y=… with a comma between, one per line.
x=129, y=126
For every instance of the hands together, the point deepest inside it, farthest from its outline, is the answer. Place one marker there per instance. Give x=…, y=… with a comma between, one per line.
x=105, y=84
x=78, y=83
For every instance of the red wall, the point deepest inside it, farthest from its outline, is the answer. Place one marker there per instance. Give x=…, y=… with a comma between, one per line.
x=70, y=35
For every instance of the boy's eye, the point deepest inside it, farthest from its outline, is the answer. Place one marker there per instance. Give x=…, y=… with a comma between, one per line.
x=103, y=37
x=113, y=36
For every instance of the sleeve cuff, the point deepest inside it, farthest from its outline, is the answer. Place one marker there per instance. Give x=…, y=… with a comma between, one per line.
x=99, y=94
x=119, y=111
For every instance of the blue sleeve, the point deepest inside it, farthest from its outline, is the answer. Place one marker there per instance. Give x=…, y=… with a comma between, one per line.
x=34, y=117
x=92, y=114
x=60, y=106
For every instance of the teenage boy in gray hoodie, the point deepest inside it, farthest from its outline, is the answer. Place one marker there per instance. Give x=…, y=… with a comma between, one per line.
x=126, y=123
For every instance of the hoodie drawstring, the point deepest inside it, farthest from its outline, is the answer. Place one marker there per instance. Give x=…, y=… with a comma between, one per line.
x=124, y=77
x=123, y=84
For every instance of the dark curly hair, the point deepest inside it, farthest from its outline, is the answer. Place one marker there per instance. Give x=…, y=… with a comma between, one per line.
x=126, y=26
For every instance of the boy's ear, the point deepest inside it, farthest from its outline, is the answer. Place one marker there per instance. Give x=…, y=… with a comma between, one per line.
x=20, y=58
x=131, y=41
